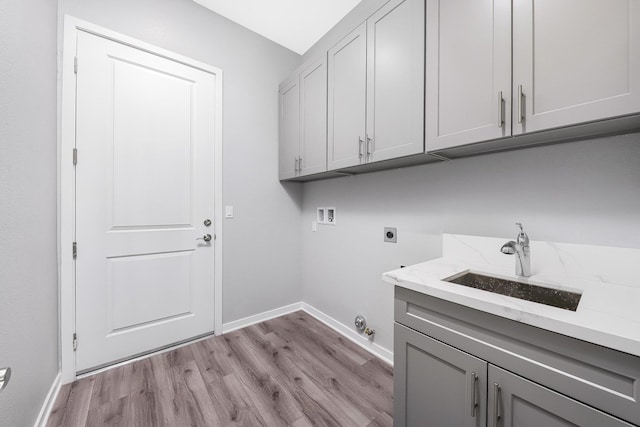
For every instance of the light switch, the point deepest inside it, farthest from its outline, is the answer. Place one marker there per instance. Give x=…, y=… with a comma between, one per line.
x=228, y=211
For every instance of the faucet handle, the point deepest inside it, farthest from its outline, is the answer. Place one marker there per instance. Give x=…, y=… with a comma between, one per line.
x=522, y=238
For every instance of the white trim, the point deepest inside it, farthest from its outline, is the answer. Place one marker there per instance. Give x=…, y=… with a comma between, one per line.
x=350, y=333
x=347, y=332
x=66, y=179
x=261, y=317
x=49, y=401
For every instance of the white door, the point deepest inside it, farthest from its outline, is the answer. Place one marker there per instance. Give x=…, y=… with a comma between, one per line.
x=468, y=93
x=395, y=81
x=144, y=187
x=574, y=61
x=347, y=96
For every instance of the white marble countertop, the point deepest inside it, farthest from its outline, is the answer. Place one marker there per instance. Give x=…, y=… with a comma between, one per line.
x=609, y=310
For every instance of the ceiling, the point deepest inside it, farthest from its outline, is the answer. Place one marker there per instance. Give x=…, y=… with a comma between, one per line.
x=294, y=24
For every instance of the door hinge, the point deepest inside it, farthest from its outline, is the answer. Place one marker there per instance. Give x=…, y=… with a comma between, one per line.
x=74, y=250
x=75, y=65
x=75, y=156
x=75, y=342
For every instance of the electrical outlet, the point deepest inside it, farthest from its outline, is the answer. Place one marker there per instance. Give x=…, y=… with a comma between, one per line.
x=391, y=235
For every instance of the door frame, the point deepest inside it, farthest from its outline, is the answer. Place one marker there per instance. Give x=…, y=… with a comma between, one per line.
x=66, y=180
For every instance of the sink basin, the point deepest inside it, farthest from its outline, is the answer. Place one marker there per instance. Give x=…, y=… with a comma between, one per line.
x=553, y=297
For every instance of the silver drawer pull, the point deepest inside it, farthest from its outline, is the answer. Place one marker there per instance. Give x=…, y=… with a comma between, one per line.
x=520, y=106
x=500, y=110
x=5, y=376
x=474, y=395
x=496, y=404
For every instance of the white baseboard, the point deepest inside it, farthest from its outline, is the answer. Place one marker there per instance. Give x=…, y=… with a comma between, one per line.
x=350, y=334
x=261, y=317
x=49, y=401
x=341, y=328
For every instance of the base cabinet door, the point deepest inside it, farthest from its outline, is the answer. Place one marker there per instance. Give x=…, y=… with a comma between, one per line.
x=435, y=384
x=516, y=402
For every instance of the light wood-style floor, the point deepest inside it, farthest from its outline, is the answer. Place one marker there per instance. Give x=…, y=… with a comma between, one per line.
x=288, y=371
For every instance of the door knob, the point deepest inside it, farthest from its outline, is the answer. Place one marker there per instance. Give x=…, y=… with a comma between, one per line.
x=206, y=238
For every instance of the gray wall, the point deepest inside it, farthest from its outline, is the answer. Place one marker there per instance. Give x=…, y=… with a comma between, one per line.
x=28, y=274
x=584, y=192
x=261, y=254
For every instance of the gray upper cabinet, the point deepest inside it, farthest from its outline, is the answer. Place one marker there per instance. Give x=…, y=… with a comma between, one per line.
x=347, y=85
x=313, y=117
x=395, y=81
x=517, y=402
x=289, y=95
x=303, y=121
x=376, y=87
x=468, y=78
x=574, y=61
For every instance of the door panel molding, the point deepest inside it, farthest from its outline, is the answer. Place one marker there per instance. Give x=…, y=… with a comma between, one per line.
x=66, y=179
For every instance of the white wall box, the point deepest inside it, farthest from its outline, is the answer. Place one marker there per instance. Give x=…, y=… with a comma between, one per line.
x=457, y=363
x=303, y=121
x=564, y=72
x=376, y=81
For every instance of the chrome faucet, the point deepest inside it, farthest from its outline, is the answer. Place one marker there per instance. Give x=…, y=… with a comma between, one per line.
x=522, y=251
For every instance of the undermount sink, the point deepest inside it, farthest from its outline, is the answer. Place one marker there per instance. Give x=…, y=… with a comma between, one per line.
x=553, y=297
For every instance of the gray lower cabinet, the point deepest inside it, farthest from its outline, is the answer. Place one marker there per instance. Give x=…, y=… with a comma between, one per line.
x=460, y=367
x=435, y=384
x=517, y=402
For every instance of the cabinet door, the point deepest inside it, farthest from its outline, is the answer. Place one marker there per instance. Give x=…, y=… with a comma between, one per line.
x=347, y=66
x=289, y=127
x=313, y=117
x=468, y=79
x=395, y=80
x=574, y=61
x=435, y=384
x=515, y=401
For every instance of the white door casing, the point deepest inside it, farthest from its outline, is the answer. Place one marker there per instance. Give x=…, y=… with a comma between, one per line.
x=149, y=158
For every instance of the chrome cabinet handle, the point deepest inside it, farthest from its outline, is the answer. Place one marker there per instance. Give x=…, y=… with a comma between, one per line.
x=295, y=161
x=474, y=396
x=500, y=110
x=520, y=107
x=299, y=164
x=496, y=404
x=360, y=141
x=5, y=376
x=369, y=140
x=206, y=238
